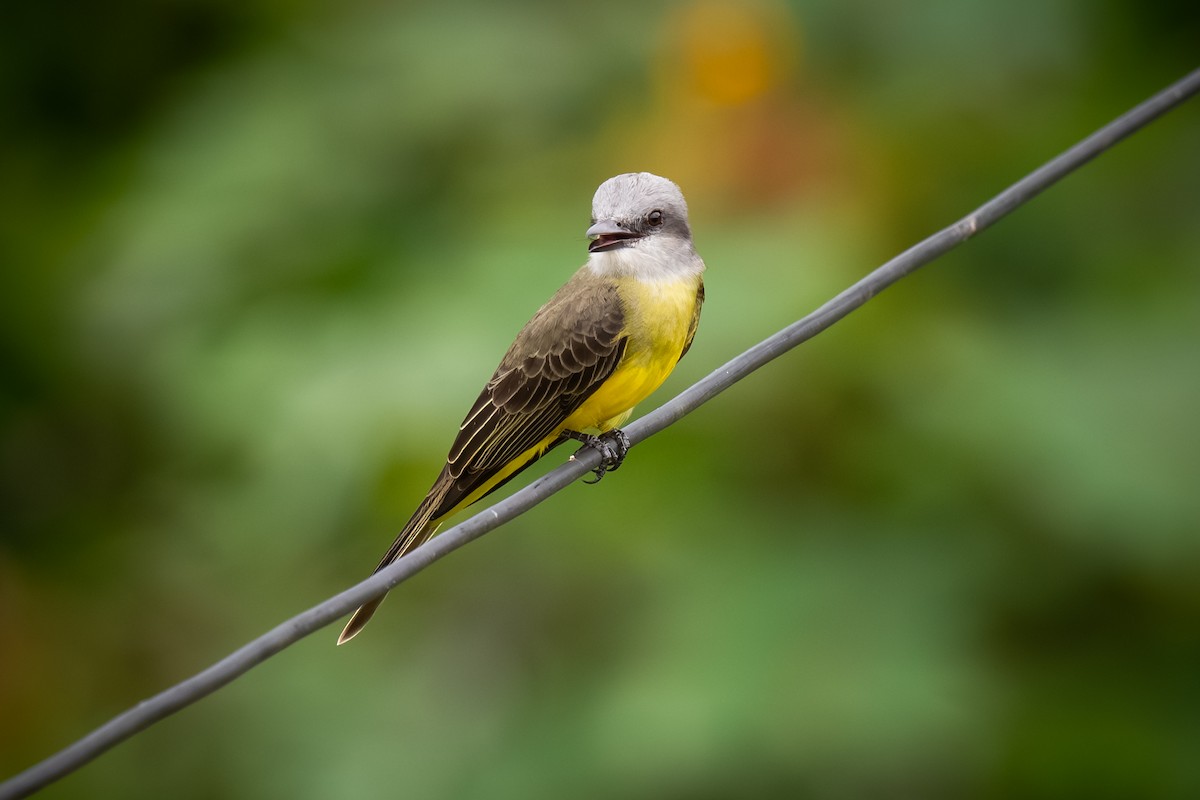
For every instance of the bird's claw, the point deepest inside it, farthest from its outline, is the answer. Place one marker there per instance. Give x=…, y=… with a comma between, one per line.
x=612, y=447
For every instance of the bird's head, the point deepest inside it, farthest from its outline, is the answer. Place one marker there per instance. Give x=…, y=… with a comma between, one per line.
x=633, y=207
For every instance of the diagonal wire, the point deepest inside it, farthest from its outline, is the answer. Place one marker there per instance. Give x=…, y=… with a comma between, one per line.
x=243, y=659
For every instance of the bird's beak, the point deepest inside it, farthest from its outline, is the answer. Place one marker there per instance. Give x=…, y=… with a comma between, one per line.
x=608, y=234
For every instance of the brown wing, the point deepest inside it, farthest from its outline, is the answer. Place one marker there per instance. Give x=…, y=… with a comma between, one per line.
x=691, y=334
x=572, y=344
x=558, y=360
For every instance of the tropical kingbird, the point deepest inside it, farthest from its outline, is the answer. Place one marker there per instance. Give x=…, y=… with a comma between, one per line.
x=598, y=347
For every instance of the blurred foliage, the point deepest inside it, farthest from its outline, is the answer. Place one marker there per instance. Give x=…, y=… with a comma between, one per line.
x=257, y=259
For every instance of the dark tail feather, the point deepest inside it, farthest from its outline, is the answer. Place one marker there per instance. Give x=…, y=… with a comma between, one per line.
x=415, y=532
x=360, y=619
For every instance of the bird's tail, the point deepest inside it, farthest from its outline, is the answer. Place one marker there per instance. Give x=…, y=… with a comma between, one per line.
x=416, y=531
x=360, y=619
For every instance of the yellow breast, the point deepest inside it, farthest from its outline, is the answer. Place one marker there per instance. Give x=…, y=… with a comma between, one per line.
x=658, y=316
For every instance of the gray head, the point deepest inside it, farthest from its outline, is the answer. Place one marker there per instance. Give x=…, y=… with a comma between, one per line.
x=634, y=207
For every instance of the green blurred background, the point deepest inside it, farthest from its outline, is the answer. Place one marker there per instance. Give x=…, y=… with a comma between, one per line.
x=258, y=258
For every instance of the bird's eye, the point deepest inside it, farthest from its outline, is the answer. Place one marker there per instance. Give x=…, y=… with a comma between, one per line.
x=655, y=218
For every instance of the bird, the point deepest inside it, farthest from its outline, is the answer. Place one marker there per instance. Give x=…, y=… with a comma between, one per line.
x=598, y=347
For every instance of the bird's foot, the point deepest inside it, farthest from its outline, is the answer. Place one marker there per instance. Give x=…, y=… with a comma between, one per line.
x=611, y=445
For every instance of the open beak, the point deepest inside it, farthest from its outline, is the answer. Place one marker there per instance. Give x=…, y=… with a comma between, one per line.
x=608, y=234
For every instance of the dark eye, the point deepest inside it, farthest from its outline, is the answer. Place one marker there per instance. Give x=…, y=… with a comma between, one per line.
x=655, y=218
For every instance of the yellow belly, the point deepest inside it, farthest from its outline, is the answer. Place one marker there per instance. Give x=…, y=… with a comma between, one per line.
x=658, y=317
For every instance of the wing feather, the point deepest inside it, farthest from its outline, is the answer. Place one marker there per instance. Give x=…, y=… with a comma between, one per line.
x=558, y=360
x=691, y=334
